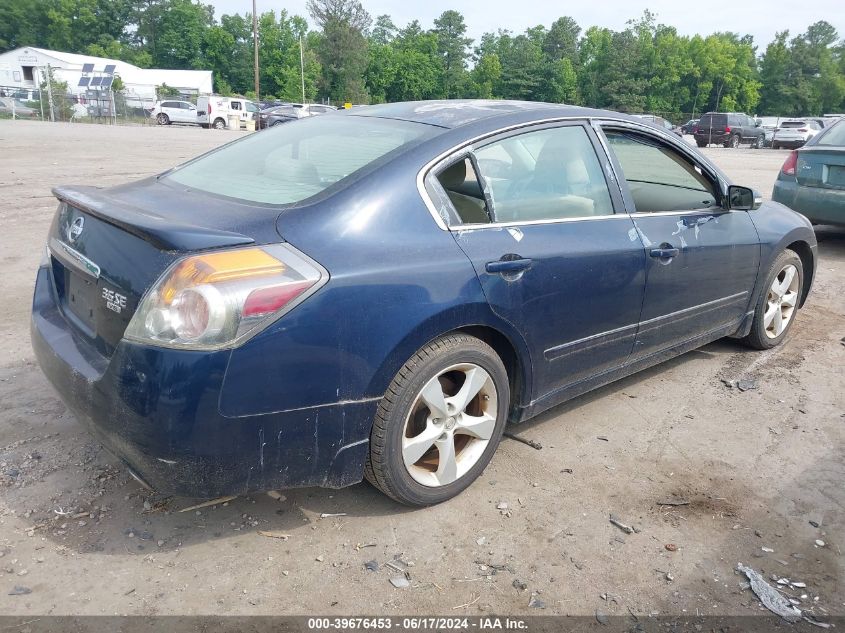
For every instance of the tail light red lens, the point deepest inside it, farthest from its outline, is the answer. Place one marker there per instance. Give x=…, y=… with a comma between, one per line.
x=727, y=129
x=789, y=165
x=209, y=108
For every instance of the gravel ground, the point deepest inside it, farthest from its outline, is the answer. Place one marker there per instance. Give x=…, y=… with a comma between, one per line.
x=762, y=470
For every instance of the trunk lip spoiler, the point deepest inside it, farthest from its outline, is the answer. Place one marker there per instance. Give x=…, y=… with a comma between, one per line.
x=159, y=231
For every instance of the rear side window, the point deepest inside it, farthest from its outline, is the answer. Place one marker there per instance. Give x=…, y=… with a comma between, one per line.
x=659, y=178
x=296, y=161
x=835, y=137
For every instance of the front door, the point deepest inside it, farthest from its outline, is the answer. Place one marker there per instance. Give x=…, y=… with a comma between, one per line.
x=537, y=219
x=701, y=260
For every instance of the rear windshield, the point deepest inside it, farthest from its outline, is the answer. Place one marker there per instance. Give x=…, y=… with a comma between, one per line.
x=716, y=120
x=793, y=124
x=298, y=160
x=835, y=135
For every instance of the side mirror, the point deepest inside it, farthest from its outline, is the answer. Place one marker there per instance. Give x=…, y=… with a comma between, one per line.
x=743, y=198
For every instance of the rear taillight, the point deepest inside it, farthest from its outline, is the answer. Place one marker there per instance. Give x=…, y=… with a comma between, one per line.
x=217, y=300
x=788, y=168
x=209, y=109
x=727, y=129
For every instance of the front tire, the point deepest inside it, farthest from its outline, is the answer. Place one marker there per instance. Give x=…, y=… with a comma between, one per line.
x=439, y=422
x=778, y=303
x=734, y=141
x=758, y=143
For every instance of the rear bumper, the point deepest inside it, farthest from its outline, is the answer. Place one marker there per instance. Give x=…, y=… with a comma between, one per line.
x=715, y=138
x=817, y=204
x=158, y=411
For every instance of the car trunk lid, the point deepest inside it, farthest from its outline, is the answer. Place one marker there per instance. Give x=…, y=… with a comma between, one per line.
x=820, y=166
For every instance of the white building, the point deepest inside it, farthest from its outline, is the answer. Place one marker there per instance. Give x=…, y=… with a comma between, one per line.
x=22, y=69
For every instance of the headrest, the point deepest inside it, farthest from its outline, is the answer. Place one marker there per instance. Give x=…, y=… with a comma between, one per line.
x=453, y=176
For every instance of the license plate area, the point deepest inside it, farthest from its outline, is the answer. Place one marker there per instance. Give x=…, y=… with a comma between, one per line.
x=80, y=299
x=836, y=175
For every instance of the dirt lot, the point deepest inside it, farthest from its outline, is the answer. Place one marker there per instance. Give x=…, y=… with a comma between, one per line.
x=760, y=469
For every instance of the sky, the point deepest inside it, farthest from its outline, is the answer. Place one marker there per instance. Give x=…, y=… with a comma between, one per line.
x=760, y=18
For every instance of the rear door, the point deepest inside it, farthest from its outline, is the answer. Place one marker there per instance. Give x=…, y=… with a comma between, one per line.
x=701, y=260
x=553, y=256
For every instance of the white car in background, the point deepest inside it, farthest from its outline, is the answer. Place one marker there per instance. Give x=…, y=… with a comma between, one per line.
x=794, y=133
x=174, y=111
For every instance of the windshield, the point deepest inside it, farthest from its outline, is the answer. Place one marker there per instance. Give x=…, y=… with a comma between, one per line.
x=292, y=162
x=836, y=135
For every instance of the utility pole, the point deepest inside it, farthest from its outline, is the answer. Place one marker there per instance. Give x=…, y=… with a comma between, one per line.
x=50, y=93
x=302, y=68
x=255, y=45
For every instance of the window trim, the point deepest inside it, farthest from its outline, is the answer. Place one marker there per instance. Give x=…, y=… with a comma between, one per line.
x=427, y=177
x=687, y=152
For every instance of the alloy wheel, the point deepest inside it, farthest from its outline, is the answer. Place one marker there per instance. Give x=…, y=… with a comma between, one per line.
x=781, y=301
x=162, y=119
x=449, y=425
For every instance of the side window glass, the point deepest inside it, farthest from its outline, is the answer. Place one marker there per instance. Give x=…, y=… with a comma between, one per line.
x=235, y=105
x=461, y=185
x=659, y=178
x=544, y=175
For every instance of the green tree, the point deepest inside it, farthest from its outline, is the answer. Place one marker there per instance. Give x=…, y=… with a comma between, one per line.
x=343, y=47
x=453, y=48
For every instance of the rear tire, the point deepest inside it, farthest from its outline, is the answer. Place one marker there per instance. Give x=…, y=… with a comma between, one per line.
x=701, y=143
x=777, y=306
x=775, y=145
x=162, y=119
x=734, y=141
x=422, y=454
x=219, y=124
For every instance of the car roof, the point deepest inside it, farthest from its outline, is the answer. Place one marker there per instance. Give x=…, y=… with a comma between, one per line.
x=453, y=113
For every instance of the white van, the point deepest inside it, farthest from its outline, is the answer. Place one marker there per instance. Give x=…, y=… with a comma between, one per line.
x=214, y=111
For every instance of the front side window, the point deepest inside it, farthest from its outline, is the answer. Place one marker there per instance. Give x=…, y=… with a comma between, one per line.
x=547, y=174
x=660, y=178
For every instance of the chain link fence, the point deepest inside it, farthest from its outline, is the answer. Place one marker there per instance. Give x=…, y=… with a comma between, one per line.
x=91, y=106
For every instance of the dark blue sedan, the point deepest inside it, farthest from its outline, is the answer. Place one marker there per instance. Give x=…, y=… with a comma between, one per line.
x=376, y=294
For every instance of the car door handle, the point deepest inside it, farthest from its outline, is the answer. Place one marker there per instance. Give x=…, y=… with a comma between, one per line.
x=664, y=253
x=508, y=265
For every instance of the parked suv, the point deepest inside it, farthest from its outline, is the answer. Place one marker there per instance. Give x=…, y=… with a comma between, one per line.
x=174, y=111
x=794, y=133
x=730, y=129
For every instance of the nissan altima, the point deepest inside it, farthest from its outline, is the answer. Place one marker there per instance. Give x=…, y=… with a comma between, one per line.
x=377, y=294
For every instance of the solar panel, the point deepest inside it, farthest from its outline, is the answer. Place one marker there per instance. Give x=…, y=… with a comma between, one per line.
x=88, y=68
x=107, y=81
x=95, y=81
x=110, y=69
x=83, y=81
